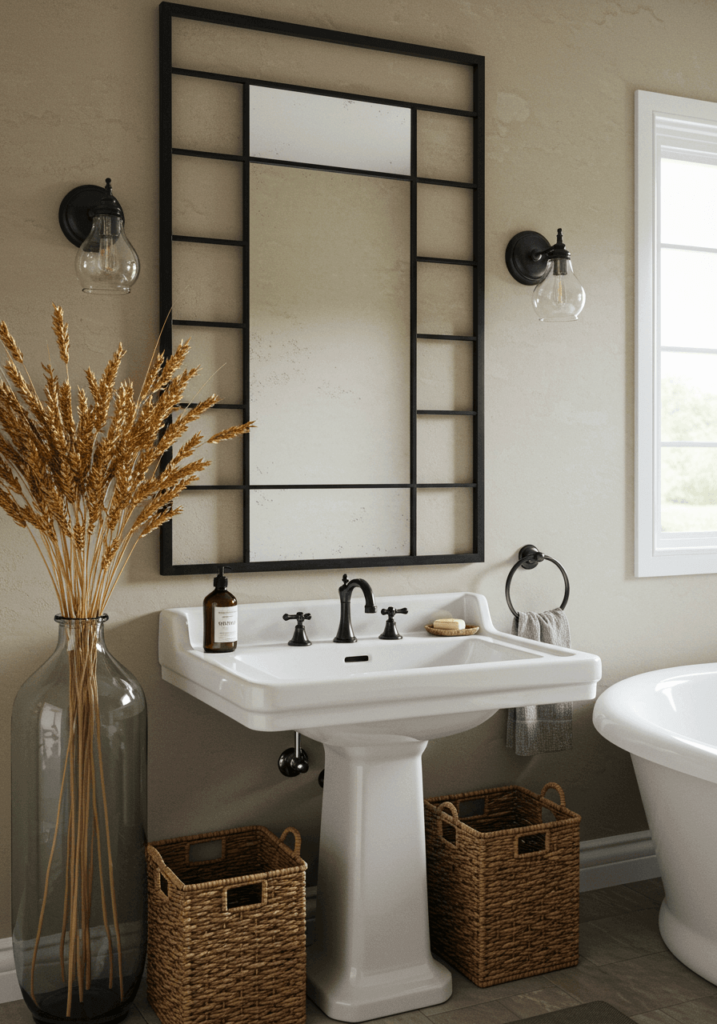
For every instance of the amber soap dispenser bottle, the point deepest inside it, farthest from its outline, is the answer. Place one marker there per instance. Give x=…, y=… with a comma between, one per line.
x=221, y=628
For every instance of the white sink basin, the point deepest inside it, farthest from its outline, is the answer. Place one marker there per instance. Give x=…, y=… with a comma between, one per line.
x=269, y=686
x=374, y=716
x=328, y=661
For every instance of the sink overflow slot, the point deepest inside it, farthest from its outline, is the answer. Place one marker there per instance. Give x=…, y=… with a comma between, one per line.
x=358, y=657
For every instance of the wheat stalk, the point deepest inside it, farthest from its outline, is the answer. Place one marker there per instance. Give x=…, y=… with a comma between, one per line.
x=86, y=479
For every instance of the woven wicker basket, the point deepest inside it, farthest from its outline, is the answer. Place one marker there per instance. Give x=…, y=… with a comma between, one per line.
x=227, y=936
x=503, y=883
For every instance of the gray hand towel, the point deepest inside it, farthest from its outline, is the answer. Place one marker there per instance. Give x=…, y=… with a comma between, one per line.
x=541, y=728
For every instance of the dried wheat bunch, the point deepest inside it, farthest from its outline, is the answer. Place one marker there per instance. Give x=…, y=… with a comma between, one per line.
x=86, y=476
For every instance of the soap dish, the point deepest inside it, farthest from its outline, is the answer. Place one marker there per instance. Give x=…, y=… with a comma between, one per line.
x=468, y=631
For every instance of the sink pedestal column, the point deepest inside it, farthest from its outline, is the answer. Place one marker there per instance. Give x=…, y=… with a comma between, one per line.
x=372, y=954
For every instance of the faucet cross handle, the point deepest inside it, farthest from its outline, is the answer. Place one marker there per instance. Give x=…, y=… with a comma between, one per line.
x=299, y=639
x=391, y=629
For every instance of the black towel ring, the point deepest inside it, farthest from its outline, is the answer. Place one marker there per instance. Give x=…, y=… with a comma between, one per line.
x=528, y=559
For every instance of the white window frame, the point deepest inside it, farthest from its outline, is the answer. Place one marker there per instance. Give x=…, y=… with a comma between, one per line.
x=683, y=126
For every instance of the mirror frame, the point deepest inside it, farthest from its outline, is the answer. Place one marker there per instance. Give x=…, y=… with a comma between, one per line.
x=169, y=11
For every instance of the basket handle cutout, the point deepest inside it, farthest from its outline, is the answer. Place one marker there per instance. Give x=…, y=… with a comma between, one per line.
x=532, y=843
x=448, y=832
x=206, y=851
x=558, y=789
x=162, y=884
x=297, y=838
x=472, y=808
x=241, y=897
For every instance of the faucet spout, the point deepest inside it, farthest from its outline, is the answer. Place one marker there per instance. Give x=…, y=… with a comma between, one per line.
x=345, y=633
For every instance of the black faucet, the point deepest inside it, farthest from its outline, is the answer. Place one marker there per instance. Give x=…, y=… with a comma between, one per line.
x=345, y=634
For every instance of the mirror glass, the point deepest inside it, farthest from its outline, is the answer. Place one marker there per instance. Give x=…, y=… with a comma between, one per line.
x=330, y=348
x=310, y=129
x=337, y=523
x=330, y=360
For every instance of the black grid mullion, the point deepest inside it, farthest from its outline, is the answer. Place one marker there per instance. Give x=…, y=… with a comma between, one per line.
x=217, y=405
x=208, y=323
x=205, y=241
x=303, y=564
x=204, y=154
x=246, y=441
x=442, y=182
x=441, y=259
x=325, y=35
x=328, y=168
x=447, y=337
x=322, y=487
x=478, y=306
x=355, y=96
x=446, y=183
x=414, y=339
x=328, y=487
x=165, y=233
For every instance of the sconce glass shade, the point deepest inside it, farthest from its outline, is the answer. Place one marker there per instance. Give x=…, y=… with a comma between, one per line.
x=106, y=262
x=531, y=259
x=559, y=296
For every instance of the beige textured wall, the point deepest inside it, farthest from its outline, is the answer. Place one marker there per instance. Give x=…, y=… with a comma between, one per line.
x=78, y=101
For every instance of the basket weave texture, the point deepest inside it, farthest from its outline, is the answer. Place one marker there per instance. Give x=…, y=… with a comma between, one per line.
x=503, y=883
x=227, y=936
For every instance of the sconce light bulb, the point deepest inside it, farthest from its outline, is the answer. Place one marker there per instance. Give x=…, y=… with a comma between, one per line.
x=108, y=258
x=559, y=296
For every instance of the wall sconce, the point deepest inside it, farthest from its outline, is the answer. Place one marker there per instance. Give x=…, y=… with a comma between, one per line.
x=92, y=219
x=558, y=295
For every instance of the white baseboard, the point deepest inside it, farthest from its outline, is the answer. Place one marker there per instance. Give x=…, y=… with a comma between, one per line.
x=616, y=860
x=9, y=988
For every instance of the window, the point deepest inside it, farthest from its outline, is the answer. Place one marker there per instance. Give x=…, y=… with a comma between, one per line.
x=676, y=335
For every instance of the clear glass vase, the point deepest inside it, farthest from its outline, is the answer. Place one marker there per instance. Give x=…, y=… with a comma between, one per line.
x=79, y=755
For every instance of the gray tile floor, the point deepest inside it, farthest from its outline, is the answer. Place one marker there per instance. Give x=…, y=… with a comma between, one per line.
x=623, y=961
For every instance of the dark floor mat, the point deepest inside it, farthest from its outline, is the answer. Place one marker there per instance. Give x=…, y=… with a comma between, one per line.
x=588, y=1013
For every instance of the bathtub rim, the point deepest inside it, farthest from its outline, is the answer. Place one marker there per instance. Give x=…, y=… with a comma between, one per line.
x=614, y=721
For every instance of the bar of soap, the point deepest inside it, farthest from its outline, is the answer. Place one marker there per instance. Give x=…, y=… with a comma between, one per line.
x=449, y=624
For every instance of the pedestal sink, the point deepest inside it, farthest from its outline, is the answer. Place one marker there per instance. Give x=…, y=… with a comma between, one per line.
x=375, y=716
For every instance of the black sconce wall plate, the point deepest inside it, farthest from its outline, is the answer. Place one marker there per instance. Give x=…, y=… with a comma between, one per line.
x=520, y=257
x=75, y=212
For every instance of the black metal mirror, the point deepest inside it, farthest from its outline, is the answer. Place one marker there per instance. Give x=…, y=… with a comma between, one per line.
x=323, y=248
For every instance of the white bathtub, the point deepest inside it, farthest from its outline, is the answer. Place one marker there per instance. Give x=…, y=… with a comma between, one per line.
x=667, y=720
